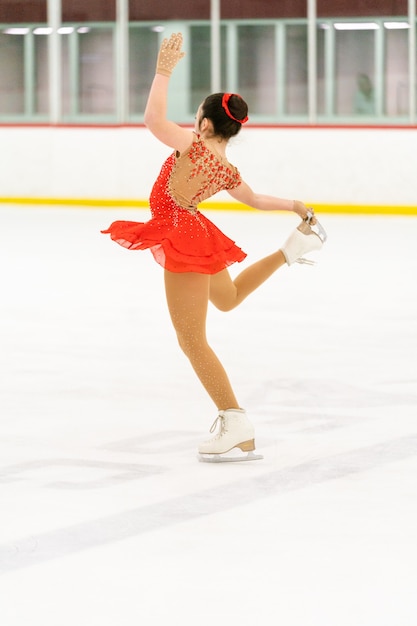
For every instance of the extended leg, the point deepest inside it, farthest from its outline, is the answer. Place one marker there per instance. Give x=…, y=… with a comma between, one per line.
x=187, y=297
x=226, y=293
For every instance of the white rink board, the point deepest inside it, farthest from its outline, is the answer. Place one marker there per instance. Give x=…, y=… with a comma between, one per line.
x=319, y=165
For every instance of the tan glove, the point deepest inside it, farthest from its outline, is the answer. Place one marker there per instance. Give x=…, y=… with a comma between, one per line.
x=169, y=54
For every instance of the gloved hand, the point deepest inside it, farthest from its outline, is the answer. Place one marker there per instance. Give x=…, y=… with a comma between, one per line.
x=169, y=54
x=306, y=213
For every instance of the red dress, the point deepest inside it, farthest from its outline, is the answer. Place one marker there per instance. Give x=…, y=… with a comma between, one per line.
x=179, y=236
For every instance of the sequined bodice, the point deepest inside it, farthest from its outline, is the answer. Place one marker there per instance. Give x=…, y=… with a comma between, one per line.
x=181, y=238
x=199, y=173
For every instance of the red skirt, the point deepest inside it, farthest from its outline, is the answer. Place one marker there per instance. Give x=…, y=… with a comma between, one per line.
x=180, y=240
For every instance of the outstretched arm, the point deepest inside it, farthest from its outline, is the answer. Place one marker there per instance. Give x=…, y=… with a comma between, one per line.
x=243, y=193
x=156, y=108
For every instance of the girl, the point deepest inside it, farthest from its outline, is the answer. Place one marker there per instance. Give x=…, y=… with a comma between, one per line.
x=192, y=251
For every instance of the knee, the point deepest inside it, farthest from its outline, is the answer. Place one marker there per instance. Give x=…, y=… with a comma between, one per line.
x=183, y=343
x=224, y=305
x=224, y=298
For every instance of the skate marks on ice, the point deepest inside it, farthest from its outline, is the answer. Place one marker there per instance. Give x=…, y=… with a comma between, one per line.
x=313, y=407
x=153, y=444
x=75, y=538
x=93, y=474
x=98, y=474
x=293, y=408
x=331, y=394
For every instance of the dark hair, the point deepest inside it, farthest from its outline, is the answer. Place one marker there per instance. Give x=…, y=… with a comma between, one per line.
x=223, y=125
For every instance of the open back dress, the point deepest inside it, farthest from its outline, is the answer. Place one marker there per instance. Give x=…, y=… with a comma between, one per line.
x=179, y=236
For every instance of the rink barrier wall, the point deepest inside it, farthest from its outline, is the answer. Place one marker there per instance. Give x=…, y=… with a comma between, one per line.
x=208, y=205
x=335, y=169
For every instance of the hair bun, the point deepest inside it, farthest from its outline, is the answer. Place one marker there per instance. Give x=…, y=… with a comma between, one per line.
x=225, y=105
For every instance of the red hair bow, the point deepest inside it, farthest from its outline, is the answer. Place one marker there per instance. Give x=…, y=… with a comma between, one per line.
x=225, y=105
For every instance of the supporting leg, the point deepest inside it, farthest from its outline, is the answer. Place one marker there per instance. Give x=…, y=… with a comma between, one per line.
x=187, y=297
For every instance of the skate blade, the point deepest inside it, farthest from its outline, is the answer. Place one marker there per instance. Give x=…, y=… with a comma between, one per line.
x=219, y=458
x=317, y=228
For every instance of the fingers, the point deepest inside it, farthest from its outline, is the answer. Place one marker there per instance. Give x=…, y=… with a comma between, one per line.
x=174, y=42
x=310, y=218
x=169, y=54
x=306, y=213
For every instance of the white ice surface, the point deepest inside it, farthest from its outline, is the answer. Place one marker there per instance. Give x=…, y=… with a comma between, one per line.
x=107, y=518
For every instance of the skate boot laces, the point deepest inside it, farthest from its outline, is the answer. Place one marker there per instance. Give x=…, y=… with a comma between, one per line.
x=222, y=426
x=228, y=445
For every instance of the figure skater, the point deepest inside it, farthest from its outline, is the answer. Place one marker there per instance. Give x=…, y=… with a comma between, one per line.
x=193, y=251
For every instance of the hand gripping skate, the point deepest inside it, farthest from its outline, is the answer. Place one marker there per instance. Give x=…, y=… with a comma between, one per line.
x=235, y=435
x=317, y=228
x=307, y=237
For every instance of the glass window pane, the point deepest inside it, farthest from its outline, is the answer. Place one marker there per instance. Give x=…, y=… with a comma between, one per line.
x=296, y=101
x=355, y=69
x=200, y=67
x=321, y=70
x=396, y=72
x=12, y=80
x=41, y=86
x=257, y=68
x=143, y=51
x=66, y=87
x=97, y=77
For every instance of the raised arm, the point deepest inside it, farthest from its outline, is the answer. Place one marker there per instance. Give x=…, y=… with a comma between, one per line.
x=243, y=193
x=155, y=117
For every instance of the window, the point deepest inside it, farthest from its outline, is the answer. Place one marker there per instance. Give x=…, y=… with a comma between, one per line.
x=12, y=73
x=99, y=63
x=96, y=72
x=396, y=91
x=143, y=50
x=296, y=102
x=257, y=68
x=355, y=72
x=24, y=88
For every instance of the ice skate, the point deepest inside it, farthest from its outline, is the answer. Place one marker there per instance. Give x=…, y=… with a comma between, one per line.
x=235, y=436
x=305, y=238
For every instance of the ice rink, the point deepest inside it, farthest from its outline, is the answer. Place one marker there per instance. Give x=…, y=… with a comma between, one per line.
x=107, y=517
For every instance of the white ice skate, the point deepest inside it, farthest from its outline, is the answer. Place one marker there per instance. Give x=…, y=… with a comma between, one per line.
x=235, y=435
x=305, y=238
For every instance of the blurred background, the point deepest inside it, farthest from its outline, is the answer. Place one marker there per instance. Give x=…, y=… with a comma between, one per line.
x=326, y=60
